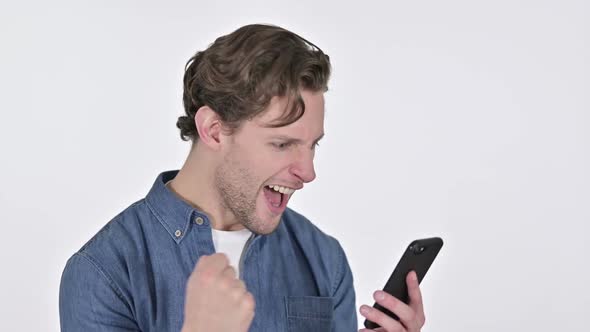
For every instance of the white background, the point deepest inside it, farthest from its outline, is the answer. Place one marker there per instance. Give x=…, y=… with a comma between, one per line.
x=462, y=119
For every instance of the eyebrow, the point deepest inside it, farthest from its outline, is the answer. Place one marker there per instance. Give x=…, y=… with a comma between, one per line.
x=295, y=140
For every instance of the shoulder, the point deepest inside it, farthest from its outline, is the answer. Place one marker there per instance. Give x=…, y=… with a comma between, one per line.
x=119, y=233
x=311, y=238
x=100, y=267
x=298, y=225
x=116, y=245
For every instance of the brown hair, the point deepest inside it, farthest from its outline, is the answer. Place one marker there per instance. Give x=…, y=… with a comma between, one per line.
x=239, y=73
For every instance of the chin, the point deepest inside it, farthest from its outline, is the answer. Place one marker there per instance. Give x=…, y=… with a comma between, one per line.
x=267, y=218
x=266, y=225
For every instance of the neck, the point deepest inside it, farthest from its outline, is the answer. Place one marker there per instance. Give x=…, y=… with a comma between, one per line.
x=195, y=184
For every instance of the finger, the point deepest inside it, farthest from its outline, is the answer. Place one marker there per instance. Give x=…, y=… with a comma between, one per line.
x=237, y=292
x=214, y=264
x=249, y=302
x=229, y=272
x=238, y=283
x=220, y=259
x=387, y=323
x=404, y=312
x=415, y=297
x=237, y=287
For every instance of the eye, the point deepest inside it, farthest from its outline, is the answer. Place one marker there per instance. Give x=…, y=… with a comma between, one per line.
x=282, y=146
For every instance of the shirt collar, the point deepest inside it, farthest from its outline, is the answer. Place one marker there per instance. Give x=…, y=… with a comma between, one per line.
x=170, y=210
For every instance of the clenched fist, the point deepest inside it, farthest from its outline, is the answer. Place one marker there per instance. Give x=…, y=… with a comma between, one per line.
x=216, y=299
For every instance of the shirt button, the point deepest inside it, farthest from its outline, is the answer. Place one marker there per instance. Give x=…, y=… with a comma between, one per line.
x=199, y=221
x=178, y=233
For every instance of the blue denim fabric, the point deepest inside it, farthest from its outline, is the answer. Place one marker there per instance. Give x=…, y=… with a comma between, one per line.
x=131, y=275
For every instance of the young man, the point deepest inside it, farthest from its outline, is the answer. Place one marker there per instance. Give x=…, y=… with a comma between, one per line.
x=213, y=246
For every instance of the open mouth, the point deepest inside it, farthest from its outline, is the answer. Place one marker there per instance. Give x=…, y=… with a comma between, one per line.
x=277, y=197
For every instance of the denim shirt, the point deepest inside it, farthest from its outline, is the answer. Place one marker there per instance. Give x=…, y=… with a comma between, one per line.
x=131, y=276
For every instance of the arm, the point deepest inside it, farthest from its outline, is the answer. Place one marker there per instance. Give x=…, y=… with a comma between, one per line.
x=344, y=297
x=89, y=300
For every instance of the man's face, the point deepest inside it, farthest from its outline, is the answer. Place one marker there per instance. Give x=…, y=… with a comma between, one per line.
x=263, y=166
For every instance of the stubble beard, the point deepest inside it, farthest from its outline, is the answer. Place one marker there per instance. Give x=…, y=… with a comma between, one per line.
x=238, y=190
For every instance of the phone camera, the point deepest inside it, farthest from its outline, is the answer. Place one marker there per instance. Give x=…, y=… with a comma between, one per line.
x=417, y=249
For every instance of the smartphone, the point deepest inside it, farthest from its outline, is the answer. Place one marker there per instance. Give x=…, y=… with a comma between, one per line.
x=418, y=257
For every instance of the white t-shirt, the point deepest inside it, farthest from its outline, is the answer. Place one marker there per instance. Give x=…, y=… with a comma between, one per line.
x=232, y=244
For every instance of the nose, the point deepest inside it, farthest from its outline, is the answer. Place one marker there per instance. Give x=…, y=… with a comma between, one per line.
x=303, y=167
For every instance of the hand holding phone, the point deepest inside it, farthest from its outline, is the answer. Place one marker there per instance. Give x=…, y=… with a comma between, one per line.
x=418, y=257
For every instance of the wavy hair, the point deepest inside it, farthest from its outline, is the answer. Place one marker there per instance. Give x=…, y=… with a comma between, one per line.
x=239, y=74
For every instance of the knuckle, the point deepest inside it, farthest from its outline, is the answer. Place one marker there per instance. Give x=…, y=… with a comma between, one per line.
x=231, y=271
x=227, y=283
x=206, y=276
x=205, y=258
x=248, y=302
x=374, y=314
x=234, y=295
x=239, y=284
x=201, y=263
x=421, y=321
x=394, y=327
x=222, y=258
x=391, y=303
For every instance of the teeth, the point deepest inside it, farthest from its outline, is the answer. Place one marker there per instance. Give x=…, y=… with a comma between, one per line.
x=282, y=190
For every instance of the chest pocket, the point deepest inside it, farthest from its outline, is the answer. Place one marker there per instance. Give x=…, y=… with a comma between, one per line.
x=309, y=313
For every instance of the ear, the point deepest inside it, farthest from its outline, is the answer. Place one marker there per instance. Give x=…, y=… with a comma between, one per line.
x=209, y=127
